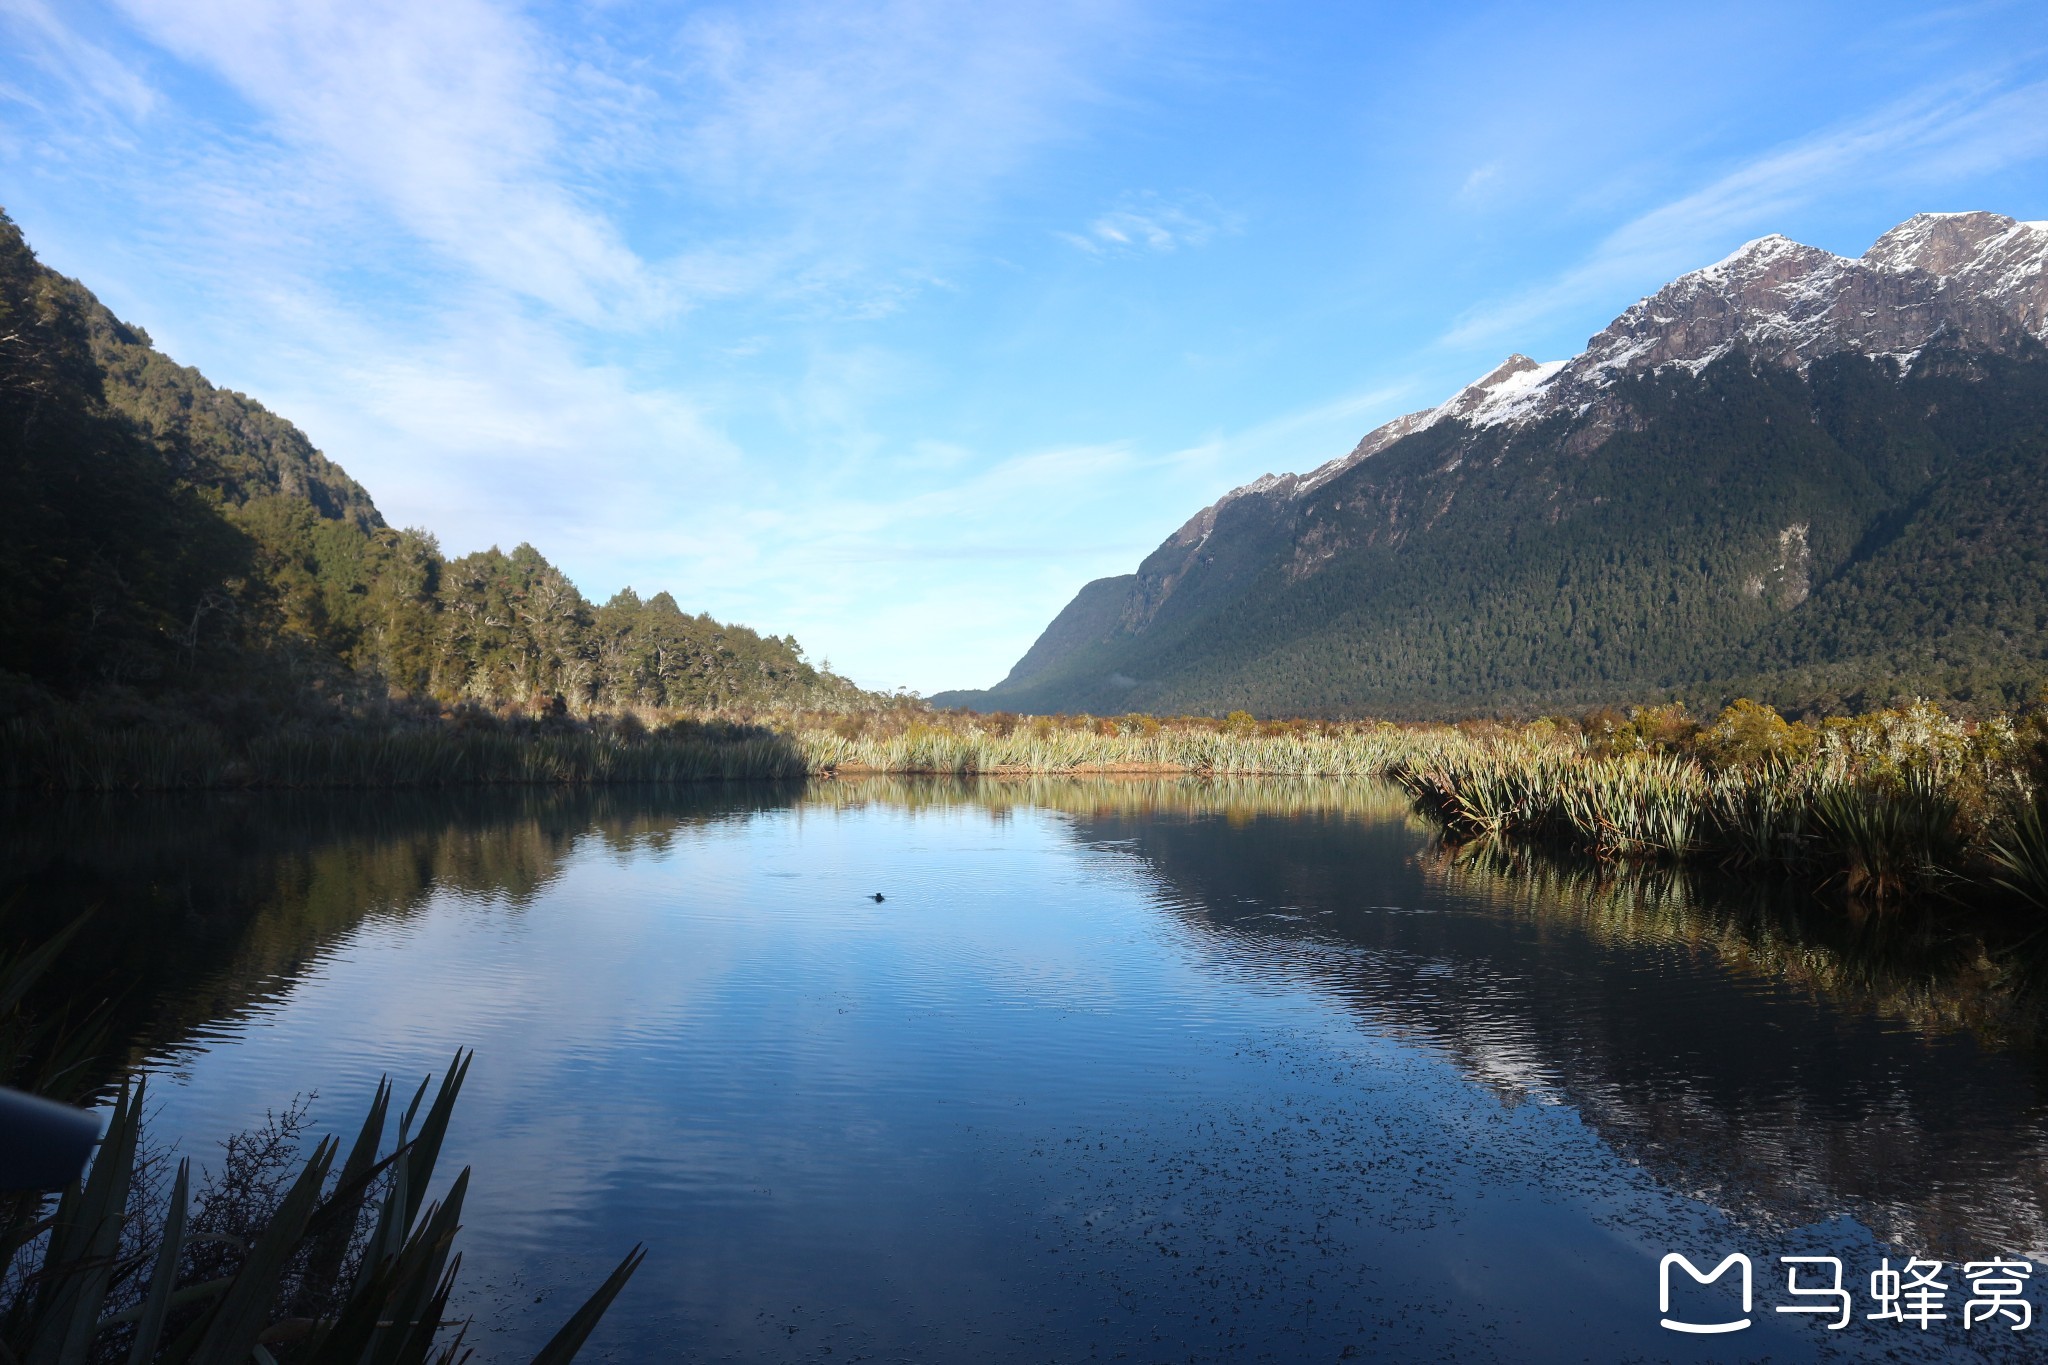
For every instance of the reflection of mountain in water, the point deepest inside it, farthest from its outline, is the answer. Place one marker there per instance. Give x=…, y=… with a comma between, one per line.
x=205, y=907
x=1768, y=1055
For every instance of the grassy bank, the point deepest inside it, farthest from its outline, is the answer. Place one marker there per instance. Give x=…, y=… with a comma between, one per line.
x=70, y=755
x=1887, y=805
x=964, y=745
x=73, y=753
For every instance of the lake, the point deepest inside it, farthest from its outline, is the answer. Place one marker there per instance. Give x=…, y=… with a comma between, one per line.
x=1151, y=1070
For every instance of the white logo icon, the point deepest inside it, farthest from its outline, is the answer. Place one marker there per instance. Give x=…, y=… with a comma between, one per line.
x=1664, y=1291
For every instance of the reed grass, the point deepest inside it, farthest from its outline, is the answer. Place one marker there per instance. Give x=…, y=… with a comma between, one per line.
x=1891, y=805
x=965, y=748
x=2019, y=857
x=352, y=1263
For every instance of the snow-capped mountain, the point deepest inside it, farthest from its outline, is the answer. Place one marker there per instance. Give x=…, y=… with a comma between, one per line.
x=1975, y=281
x=1786, y=465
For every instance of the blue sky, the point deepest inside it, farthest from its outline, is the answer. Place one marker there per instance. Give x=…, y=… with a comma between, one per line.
x=891, y=324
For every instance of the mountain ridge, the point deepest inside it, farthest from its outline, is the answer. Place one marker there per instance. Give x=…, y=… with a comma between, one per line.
x=1938, y=247
x=1938, y=290
x=165, y=538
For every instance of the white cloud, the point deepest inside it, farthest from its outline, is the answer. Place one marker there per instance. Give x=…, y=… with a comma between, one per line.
x=1053, y=518
x=671, y=293
x=440, y=113
x=1480, y=180
x=1148, y=222
x=532, y=375
x=94, y=77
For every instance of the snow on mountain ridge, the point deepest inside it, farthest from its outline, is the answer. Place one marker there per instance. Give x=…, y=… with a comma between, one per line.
x=1976, y=279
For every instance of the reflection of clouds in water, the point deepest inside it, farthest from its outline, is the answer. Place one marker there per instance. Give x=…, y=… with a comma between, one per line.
x=1141, y=1015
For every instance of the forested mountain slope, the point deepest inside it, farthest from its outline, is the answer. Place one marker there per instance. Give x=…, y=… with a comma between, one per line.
x=1820, y=481
x=160, y=535
x=214, y=437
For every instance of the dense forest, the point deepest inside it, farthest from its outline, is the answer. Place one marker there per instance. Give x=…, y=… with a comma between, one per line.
x=1825, y=541
x=165, y=540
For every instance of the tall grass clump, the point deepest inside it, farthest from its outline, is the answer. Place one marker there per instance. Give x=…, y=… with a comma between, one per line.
x=336, y=1257
x=1892, y=805
x=2019, y=855
x=959, y=744
x=351, y=1263
x=1890, y=839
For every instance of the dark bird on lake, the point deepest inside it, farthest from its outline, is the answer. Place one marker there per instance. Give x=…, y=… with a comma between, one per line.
x=878, y=898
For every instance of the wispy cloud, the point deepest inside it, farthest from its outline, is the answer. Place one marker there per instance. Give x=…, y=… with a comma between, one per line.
x=440, y=114
x=1150, y=222
x=1481, y=179
x=759, y=302
x=809, y=151
x=833, y=157
x=1938, y=137
x=94, y=77
x=1293, y=442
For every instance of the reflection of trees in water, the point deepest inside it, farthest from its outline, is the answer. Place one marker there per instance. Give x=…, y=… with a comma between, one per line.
x=1238, y=800
x=1785, y=1154
x=205, y=907
x=210, y=906
x=1935, y=972
x=1753, y=1047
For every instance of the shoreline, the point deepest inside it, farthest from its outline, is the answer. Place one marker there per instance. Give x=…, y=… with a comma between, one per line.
x=1908, y=804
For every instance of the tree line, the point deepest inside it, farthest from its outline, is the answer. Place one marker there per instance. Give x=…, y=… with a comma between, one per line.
x=162, y=536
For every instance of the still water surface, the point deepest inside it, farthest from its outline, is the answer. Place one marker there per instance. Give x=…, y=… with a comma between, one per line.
x=1152, y=1071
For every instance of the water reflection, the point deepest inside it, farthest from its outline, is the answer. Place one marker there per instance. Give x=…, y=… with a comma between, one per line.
x=1756, y=1047
x=204, y=908
x=1235, y=1065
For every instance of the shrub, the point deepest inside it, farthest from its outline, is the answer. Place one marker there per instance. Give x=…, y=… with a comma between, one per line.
x=1746, y=734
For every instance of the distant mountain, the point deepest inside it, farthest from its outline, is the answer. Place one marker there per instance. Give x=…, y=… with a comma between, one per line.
x=161, y=537
x=1816, y=480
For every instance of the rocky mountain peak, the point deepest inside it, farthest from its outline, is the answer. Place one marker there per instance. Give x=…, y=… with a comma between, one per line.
x=1975, y=280
x=1502, y=554
x=1939, y=243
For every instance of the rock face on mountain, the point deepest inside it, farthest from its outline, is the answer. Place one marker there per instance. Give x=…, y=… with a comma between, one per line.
x=1791, y=473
